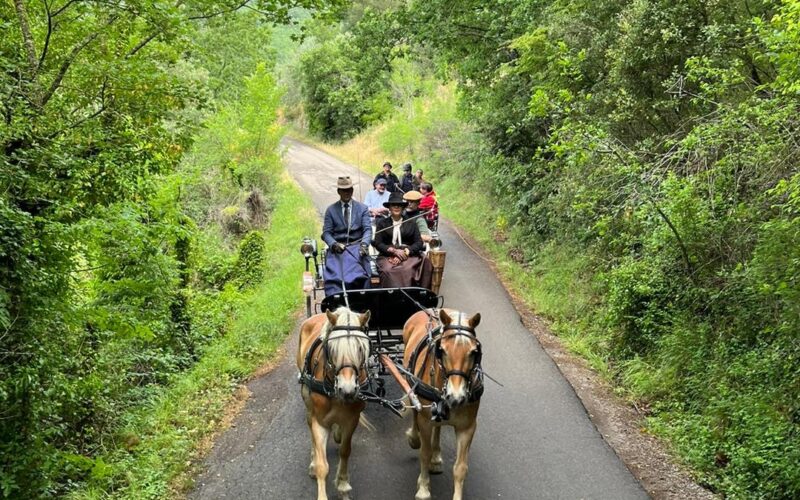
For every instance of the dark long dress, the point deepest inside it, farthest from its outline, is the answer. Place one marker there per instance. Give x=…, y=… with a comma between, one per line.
x=414, y=271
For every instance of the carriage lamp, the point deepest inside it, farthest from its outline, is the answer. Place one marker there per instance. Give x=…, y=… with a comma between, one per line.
x=436, y=241
x=308, y=248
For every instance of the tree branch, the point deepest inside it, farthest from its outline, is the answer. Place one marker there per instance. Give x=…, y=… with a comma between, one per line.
x=86, y=118
x=142, y=44
x=219, y=13
x=49, y=33
x=63, y=8
x=62, y=71
x=27, y=37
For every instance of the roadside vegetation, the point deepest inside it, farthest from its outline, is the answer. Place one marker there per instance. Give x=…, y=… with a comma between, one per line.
x=147, y=236
x=632, y=167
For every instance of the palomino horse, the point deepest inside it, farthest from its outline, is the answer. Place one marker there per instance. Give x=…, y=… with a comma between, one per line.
x=444, y=354
x=332, y=359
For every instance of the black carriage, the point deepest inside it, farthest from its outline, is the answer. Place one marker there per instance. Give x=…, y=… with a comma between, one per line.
x=389, y=308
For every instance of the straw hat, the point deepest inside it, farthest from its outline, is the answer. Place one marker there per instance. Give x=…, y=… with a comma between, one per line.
x=412, y=196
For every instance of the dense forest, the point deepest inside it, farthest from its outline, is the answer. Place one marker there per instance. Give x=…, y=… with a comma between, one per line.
x=140, y=189
x=633, y=165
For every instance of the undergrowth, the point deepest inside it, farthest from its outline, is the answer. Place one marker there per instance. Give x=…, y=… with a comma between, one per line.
x=160, y=441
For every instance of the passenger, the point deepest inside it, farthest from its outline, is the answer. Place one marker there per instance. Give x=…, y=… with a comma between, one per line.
x=429, y=203
x=375, y=199
x=400, y=246
x=347, y=231
x=407, y=181
x=412, y=211
x=417, y=179
x=392, y=182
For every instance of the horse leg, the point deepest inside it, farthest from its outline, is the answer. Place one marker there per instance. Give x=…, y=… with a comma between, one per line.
x=412, y=434
x=463, y=442
x=319, y=437
x=337, y=434
x=346, y=430
x=436, y=455
x=424, y=480
x=312, y=466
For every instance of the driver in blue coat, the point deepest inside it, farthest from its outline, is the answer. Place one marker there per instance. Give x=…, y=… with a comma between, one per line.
x=347, y=231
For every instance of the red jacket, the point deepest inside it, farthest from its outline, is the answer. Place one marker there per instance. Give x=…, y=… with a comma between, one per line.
x=429, y=202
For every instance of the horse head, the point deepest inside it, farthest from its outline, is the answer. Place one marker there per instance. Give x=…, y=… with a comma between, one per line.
x=346, y=345
x=459, y=353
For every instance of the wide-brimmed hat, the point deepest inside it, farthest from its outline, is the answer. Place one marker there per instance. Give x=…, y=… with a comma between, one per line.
x=396, y=199
x=407, y=167
x=344, y=182
x=412, y=196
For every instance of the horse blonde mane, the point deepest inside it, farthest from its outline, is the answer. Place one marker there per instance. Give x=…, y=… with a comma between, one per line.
x=458, y=319
x=353, y=349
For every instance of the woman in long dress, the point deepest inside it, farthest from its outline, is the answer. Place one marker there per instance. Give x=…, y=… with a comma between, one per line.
x=401, y=261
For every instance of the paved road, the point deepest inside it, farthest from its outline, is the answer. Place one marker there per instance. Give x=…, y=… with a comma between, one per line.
x=534, y=438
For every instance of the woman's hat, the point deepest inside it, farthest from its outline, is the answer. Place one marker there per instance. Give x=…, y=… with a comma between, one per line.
x=396, y=199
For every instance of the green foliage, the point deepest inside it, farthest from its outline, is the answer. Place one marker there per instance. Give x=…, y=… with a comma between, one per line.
x=345, y=78
x=103, y=291
x=249, y=268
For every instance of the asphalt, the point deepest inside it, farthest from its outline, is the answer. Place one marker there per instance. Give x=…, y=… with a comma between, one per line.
x=534, y=438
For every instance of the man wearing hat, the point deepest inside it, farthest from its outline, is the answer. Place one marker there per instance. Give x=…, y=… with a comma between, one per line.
x=398, y=241
x=347, y=231
x=412, y=211
x=391, y=180
x=375, y=199
x=407, y=181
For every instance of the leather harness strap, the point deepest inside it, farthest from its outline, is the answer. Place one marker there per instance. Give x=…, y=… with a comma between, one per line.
x=327, y=386
x=432, y=342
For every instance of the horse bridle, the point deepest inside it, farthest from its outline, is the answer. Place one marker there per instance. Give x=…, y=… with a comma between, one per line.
x=458, y=330
x=352, y=331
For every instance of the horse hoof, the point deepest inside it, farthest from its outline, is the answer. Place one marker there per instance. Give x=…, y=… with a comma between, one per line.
x=422, y=496
x=344, y=491
x=337, y=435
x=413, y=440
x=435, y=468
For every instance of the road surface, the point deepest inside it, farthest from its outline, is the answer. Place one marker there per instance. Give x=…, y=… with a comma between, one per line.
x=534, y=438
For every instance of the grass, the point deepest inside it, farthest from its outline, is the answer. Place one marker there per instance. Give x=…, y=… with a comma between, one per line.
x=163, y=440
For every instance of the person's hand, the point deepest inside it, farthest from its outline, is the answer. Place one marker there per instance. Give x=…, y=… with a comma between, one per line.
x=400, y=254
x=393, y=260
x=363, y=251
x=338, y=247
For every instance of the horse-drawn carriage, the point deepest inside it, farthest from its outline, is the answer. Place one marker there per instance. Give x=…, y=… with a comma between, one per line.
x=355, y=340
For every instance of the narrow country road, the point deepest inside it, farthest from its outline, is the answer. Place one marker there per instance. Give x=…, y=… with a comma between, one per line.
x=534, y=438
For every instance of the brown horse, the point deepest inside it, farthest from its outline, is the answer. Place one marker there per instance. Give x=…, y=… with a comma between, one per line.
x=332, y=358
x=445, y=355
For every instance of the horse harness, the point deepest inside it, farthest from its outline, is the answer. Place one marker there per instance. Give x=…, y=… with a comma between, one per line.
x=327, y=386
x=433, y=343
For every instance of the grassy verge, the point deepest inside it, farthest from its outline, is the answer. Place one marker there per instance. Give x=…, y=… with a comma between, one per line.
x=162, y=439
